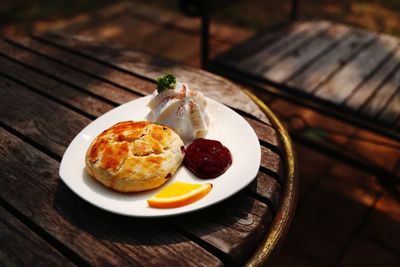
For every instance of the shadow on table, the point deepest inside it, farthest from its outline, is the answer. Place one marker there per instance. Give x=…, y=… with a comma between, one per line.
x=205, y=227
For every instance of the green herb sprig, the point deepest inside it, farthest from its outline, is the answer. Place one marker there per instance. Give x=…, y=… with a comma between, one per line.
x=166, y=82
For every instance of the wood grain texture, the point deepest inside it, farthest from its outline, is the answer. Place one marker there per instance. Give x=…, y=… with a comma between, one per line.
x=270, y=55
x=146, y=66
x=42, y=119
x=235, y=233
x=19, y=246
x=325, y=66
x=271, y=160
x=264, y=132
x=51, y=87
x=38, y=118
x=301, y=57
x=98, y=237
x=52, y=139
x=114, y=75
x=383, y=95
x=371, y=85
x=50, y=118
x=137, y=85
x=67, y=75
x=247, y=48
x=339, y=87
x=391, y=112
x=47, y=123
x=267, y=187
x=71, y=59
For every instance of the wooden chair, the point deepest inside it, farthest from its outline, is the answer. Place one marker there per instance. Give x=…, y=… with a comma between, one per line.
x=346, y=72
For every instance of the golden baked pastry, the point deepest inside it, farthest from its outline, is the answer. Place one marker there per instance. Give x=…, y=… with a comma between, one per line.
x=134, y=156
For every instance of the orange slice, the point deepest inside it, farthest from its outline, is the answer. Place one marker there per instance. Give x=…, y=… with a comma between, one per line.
x=179, y=194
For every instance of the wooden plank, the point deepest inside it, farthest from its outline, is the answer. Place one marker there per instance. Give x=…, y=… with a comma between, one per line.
x=270, y=160
x=391, y=111
x=267, y=187
x=250, y=46
x=270, y=55
x=266, y=133
x=139, y=63
x=324, y=67
x=380, y=99
x=51, y=138
x=49, y=124
x=301, y=57
x=338, y=88
x=51, y=87
x=98, y=237
x=86, y=102
x=112, y=74
x=85, y=65
x=19, y=246
x=42, y=116
x=371, y=85
x=67, y=75
x=89, y=104
x=235, y=233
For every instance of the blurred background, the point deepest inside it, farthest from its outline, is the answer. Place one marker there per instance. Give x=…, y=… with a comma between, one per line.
x=346, y=216
x=22, y=16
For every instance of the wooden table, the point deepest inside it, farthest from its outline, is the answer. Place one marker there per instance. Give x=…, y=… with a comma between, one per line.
x=50, y=89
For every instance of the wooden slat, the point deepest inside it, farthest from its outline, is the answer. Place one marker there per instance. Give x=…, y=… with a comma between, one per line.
x=265, y=133
x=371, y=85
x=268, y=56
x=247, y=48
x=43, y=115
x=234, y=233
x=301, y=57
x=338, y=88
x=267, y=187
x=19, y=246
x=391, y=111
x=60, y=91
x=98, y=237
x=139, y=63
x=124, y=79
x=69, y=76
x=51, y=138
x=107, y=73
x=271, y=160
x=325, y=66
x=378, y=101
x=86, y=103
x=49, y=124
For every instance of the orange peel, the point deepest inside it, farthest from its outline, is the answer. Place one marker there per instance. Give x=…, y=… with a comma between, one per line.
x=179, y=194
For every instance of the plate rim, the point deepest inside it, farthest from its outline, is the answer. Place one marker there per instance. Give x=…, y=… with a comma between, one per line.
x=94, y=203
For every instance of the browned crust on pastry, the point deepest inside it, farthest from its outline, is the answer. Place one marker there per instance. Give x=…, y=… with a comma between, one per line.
x=134, y=156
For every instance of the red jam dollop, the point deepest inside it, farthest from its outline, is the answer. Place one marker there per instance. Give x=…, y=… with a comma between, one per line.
x=207, y=158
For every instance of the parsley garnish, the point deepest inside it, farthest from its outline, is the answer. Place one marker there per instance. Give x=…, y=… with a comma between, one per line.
x=166, y=82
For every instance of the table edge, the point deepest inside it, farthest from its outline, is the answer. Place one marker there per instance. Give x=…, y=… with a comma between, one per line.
x=285, y=212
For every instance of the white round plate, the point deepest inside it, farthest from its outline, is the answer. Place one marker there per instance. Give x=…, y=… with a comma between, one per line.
x=226, y=126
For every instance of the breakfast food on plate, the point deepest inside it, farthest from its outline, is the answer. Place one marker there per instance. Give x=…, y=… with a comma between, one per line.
x=134, y=156
x=184, y=110
x=179, y=194
x=207, y=158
